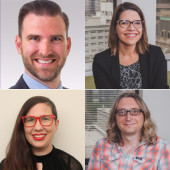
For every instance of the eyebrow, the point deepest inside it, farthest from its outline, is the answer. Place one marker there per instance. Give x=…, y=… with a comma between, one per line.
x=52, y=36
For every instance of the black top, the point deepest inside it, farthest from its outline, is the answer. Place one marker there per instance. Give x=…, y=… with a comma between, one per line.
x=58, y=160
x=130, y=76
x=21, y=84
x=106, y=69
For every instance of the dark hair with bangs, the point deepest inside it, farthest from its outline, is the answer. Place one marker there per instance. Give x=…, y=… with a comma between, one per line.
x=113, y=40
x=41, y=8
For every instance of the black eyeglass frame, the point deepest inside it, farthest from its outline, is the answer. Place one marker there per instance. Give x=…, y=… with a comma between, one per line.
x=131, y=23
x=129, y=112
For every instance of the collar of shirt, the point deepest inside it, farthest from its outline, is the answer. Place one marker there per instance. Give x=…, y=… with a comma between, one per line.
x=121, y=150
x=34, y=84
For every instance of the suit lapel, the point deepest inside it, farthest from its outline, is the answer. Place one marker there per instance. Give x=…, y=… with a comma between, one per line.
x=115, y=72
x=145, y=72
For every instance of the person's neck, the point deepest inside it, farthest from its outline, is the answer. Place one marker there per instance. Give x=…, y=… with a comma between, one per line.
x=42, y=151
x=130, y=142
x=127, y=50
x=127, y=54
x=52, y=84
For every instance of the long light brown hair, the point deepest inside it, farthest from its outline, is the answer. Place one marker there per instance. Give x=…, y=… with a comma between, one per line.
x=19, y=154
x=113, y=40
x=148, y=130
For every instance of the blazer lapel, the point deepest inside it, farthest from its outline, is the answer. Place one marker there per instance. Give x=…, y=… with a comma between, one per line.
x=115, y=72
x=144, y=66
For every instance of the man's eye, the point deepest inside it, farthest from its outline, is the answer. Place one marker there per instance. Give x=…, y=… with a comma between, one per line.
x=55, y=39
x=135, y=111
x=122, y=111
x=34, y=38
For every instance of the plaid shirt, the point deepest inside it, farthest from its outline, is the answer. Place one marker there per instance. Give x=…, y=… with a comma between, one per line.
x=106, y=156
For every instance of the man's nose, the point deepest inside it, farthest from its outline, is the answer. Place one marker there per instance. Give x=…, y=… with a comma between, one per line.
x=128, y=116
x=45, y=48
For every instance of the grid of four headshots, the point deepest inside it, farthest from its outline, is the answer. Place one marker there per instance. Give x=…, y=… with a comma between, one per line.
x=95, y=78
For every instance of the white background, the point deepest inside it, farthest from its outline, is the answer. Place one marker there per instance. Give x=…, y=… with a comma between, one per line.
x=70, y=135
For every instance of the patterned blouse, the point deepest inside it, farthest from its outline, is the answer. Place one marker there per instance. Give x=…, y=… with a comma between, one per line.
x=130, y=76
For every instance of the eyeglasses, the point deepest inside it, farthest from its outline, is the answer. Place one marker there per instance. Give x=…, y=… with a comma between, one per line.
x=45, y=120
x=133, y=112
x=126, y=23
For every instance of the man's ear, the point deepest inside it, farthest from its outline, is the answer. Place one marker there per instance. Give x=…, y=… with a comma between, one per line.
x=68, y=45
x=18, y=44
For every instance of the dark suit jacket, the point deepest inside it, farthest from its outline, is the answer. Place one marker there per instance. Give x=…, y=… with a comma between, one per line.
x=22, y=85
x=106, y=70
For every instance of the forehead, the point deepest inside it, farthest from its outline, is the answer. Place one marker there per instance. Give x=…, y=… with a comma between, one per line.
x=127, y=103
x=39, y=110
x=36, y=24
x=130, y=15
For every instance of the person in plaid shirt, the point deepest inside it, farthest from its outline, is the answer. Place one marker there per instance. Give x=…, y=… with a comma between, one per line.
x=131, y=142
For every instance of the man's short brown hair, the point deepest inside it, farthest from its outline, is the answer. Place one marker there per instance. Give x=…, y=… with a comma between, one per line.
x=41, y=8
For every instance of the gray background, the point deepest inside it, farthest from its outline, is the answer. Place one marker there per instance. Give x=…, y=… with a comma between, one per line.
x=73, y=73
x=158, y=102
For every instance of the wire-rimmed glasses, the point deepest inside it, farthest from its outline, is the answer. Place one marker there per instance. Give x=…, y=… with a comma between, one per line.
x=126, y=23
x=133, y=112
x=45, y=120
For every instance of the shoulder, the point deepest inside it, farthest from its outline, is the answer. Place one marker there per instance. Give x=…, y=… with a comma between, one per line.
x=104, y=55
x=161, y=141
x=20, y=84
x=1, y=164
x=103, y=142
x=161, y=145
x=67, y=157
x=154, y=51
x=154, y=48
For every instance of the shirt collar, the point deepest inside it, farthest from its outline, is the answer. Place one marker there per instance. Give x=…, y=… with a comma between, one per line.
x=34, y=84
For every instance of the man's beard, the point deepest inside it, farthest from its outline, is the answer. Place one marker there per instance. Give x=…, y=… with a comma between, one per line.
x=34, y=71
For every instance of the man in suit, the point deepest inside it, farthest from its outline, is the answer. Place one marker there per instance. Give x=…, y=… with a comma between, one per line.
x=44, y=44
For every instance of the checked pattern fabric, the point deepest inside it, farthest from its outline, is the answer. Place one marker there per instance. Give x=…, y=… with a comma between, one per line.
x=106, y=156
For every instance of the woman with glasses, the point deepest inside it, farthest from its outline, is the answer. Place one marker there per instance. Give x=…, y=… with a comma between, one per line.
x=30, y=147
x=130, y=62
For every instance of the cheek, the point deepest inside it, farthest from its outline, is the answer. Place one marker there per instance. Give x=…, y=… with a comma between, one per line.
x=60, y=49
x=119, y=120
x=28, y=49
x=141, y=120
x=28, y=132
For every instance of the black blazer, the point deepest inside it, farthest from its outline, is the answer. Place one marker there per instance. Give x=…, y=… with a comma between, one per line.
x=106, y=70
x=22, y=85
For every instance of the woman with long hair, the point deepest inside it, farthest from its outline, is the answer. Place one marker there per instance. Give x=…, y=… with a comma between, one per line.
x=130, y=62
x=30, y=147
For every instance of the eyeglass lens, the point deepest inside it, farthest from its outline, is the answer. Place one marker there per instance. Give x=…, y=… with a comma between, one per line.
x=45, y=120
x=132, y=112
x=126, y=23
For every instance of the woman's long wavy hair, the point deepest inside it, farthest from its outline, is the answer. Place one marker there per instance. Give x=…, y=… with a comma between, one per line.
x=19, y=154
x=148, y=130
x=113, y=40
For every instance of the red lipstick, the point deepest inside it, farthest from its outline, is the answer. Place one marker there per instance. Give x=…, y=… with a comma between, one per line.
x=39, y=137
